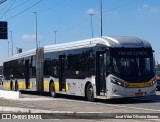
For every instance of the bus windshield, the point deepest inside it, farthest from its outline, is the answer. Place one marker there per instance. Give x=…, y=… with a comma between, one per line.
x=133, y=66
x=134, y=69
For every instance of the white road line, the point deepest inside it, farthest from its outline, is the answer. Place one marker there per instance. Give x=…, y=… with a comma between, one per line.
x=35, y=99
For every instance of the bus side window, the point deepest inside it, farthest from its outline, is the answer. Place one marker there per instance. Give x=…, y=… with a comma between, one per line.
x=109, y=64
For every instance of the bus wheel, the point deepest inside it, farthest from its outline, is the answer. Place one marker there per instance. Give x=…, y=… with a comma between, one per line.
x=52, y=90
x=16, y=86
x=90, y=93
x=11, y=85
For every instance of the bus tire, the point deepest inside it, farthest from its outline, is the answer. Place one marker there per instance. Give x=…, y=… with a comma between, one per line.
x=90, y=93
x=16, y=86
x=52, y=90
x=11, y=85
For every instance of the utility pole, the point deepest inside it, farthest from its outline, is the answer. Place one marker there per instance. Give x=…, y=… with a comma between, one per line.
x=8, y=48
x=101, y=18
x=91, y=14
x=36, y=29
x=39, y=44
x=55, y=32
x=12, y=42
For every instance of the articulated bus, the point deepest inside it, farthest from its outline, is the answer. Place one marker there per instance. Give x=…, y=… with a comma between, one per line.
x=96, y=68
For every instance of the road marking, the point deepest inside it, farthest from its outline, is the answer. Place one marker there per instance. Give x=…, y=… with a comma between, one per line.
x=35, y=99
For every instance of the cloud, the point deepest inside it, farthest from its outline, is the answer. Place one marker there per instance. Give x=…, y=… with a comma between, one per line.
x=30, y=37
x=151, y=8
x=145, y=5
x=155, y=10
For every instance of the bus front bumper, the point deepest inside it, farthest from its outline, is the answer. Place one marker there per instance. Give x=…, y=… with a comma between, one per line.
x=121, y=92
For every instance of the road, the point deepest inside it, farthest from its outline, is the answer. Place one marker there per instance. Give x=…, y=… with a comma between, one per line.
x=34, y=100
x=147, y=103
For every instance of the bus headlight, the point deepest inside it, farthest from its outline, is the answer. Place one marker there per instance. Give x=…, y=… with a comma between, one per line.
x=153, y=81
x=117, y=81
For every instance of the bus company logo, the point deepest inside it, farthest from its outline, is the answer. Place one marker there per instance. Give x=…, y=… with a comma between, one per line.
x=6, y=116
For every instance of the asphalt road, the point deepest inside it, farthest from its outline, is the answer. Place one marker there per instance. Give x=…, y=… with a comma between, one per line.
x=147, y=103
x=151, y=102
x=35, y=100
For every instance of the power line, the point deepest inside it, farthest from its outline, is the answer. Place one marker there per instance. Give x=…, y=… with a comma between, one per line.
x=5, y=6
x=8, y=9
x=20, y=4
x=24, y=10
x=121, y=6
x=2, y=1
x=73, y=27
x=59, y=3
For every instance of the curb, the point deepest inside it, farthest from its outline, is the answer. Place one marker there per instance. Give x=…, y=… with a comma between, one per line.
x=48, y=114
x=10, y=94
x=28, y=110
x=56, y=114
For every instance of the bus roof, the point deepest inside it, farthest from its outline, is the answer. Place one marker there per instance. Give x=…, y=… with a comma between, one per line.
x=111, y=41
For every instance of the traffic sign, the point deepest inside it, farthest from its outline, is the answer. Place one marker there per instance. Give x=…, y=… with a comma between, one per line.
x=3, y=30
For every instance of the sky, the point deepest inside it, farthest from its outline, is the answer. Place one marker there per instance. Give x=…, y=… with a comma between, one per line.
x=71, y=20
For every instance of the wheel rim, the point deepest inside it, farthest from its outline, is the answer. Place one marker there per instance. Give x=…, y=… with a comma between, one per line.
x=90, y=93
x=52, y=90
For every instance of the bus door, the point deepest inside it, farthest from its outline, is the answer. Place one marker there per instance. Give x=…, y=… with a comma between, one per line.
x=27, y=73
x=62, y=80
x=101, y=73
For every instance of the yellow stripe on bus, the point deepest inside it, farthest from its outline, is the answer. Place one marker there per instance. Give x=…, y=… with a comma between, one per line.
x=21, y=85
x=56, y=84
x=138, y=85
x=6, y=85
x=46, y=84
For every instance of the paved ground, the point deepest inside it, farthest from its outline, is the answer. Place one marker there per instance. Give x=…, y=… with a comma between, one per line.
x=32, y=102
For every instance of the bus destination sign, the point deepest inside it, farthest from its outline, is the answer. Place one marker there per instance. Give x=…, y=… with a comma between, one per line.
x=132, y=53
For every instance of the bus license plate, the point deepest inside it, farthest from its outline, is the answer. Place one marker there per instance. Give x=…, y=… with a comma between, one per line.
x=138, y=93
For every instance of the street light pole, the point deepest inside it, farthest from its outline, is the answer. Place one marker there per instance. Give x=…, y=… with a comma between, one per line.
x=101, y=18
x=36, y=29
x=8, y=48
x=55, y=36
x=11, y=42
x=91, y=14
